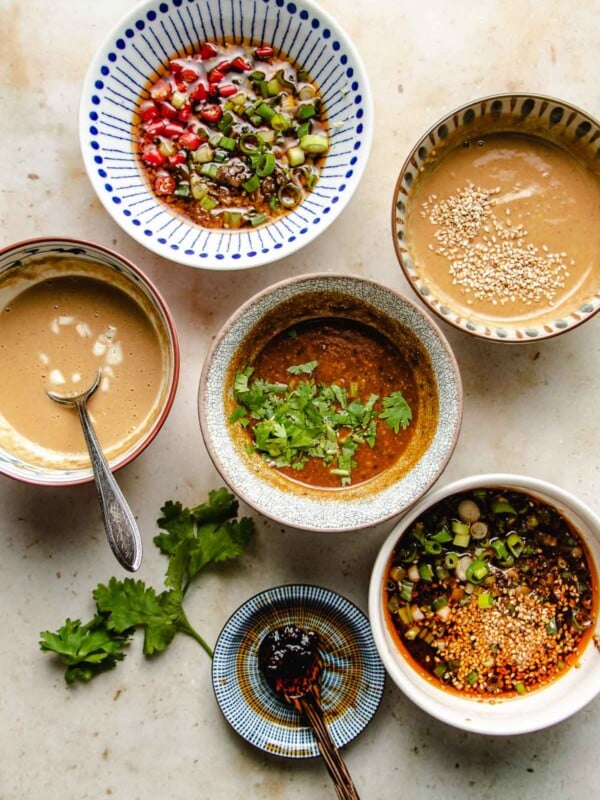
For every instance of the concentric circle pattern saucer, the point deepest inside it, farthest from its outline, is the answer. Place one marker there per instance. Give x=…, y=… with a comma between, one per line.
x=353, y=676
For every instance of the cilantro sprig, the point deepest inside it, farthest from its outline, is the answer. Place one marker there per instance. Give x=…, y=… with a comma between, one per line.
x=293, y=422
x=192, y=538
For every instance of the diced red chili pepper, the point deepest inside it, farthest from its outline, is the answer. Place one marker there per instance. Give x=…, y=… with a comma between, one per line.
x=224, y=66
x=208, y=50
x=198, y=93
x=195, y=126
x=189, y=74
x=161, y=90
x=173, y=130
x=156, y=128
x=189, y=140
x=263, y=52
x=167, y=111
x=213, y=91
x=164, y=184
x=181, y=86
x=177, y=158
x=153, y=156
x=175, y=66
x=211, y=113
x=240, y=64
x=227, y=89
x=215, y=75
x=148, y=110
x=185, y=112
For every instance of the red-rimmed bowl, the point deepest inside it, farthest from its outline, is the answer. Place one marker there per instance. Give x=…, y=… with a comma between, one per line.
x=25, y=264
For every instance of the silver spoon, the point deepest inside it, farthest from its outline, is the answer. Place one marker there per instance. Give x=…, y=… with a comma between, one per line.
x=120, y=525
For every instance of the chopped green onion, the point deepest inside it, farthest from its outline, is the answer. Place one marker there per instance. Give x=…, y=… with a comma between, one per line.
x=552, y=627
x=461, y=540
x=197, y=186
x=442, y=536
x=295, y=156
x=182, y=189
x=279, y=122
x=432, y=547
x=258, y=219
x=485, y=600
x=203, y=154
x=227, y=143
x=265, y=112
x=314, y=144
x=477, y=571
x=451, y=560
x=472, y=677
x=233, y=219
x=210, y=170
x=439, y=602
x=266, y=165
x=405, y=615
x=290, y=195
x=502, y=506
x=520, y=689
x=425, y=572
x=252, y=184
x=208, y=202
x=440, y=670
x=515, y=544
x=406, y=590
x=305, y=112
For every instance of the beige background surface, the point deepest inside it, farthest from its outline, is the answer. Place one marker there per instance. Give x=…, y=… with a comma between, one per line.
x=153, y=729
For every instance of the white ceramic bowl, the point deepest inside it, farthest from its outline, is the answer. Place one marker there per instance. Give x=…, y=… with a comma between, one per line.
x=520, y=714
x=151, y=34
x=291, y=503
x=27, y=263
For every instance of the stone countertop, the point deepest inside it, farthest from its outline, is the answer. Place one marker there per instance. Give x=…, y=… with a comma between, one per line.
x=153, y=728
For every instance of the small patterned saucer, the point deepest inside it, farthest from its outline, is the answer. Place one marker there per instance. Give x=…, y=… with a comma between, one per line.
x=353, y=676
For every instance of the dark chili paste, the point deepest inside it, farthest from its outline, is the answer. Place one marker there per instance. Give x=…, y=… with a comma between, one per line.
x=329, y=402
x=232, y=136
x=490, y=592
x=289, y=659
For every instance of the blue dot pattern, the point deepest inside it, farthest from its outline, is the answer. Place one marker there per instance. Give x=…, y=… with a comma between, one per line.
x=156, y=32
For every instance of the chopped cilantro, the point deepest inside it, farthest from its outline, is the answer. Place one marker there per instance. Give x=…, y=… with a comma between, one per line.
x=290, y=423
x=397, y=412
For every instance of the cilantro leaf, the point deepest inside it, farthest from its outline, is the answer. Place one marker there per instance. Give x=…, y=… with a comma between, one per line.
x=86, y=650
x=397, y=413
x=129, y=603
x=192, y=539
x=303, y=369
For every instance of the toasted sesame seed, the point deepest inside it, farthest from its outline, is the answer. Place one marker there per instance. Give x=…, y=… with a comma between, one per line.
x=501, y=267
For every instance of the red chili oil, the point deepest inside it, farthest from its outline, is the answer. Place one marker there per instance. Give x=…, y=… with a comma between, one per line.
x=495, y=606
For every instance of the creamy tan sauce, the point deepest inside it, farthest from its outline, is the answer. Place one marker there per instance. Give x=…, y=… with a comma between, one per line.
x=55, y=335
x=533, y=241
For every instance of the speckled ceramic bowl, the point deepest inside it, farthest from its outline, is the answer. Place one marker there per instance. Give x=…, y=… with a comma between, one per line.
x=290, y=502
x=512, y=715
x=28, y=263
x=552, y=120
x=152, y=33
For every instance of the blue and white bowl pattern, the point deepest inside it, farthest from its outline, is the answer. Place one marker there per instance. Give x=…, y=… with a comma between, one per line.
x=353, y=677
x=155, y=32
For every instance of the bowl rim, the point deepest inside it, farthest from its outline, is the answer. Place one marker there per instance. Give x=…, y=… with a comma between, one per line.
x=455, y=710
x=489, y=98
x=175, y=347
x=307, y=280
x=216, y=262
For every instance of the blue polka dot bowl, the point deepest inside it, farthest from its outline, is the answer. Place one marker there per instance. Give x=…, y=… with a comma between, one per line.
x=146, y=40
x=533, y=209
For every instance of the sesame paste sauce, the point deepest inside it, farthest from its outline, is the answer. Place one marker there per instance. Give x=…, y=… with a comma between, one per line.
x=56, y=334
x=506, y=226
x=491, y=593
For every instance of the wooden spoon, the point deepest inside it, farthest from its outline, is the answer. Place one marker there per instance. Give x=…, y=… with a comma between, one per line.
x=290, y=660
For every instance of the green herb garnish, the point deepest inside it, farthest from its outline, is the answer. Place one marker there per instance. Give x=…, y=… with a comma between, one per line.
x=293, y=422
x=192, y=539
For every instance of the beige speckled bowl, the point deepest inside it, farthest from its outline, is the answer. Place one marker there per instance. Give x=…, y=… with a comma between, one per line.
x=546, y=118
x=287, y=501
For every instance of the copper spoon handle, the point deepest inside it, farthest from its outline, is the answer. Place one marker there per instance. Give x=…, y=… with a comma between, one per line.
x=311, y=708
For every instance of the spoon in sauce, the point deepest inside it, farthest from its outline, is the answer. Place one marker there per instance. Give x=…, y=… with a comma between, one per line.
x=120, y=525
x=290, y=660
